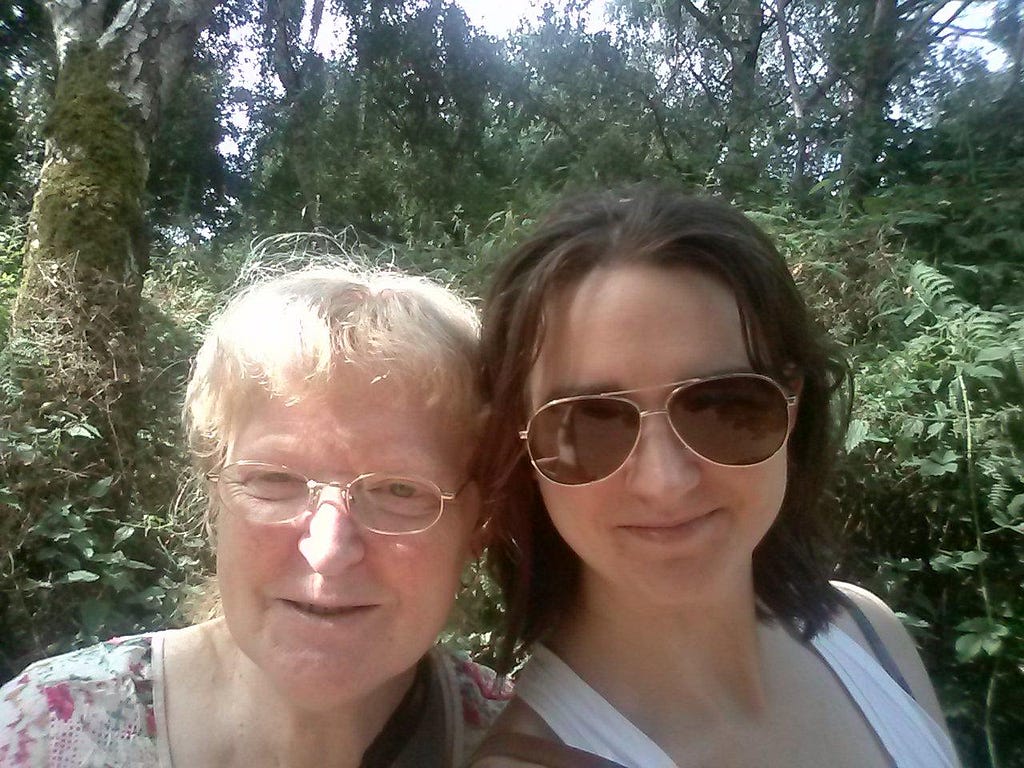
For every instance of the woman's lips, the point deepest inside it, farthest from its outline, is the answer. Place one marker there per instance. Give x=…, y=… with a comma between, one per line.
x=329, y=611
x=672, y=530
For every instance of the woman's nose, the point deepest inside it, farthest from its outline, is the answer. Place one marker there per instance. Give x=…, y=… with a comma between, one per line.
x=332, y=541
x=660, y=463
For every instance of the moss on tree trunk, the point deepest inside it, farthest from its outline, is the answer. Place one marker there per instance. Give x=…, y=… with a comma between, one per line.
x=75, y=325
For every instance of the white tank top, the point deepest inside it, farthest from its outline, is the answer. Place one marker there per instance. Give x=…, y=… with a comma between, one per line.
x=582, y=718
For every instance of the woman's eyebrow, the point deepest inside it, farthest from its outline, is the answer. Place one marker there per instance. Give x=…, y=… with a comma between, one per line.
x=614, y=388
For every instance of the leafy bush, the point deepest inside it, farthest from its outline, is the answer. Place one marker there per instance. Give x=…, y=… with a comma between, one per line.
x=75, y=572
x=930, y=496
x=78, y=572
x=12, y=242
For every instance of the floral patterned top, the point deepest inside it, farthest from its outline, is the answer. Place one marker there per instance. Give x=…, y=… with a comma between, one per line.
x=102, y=707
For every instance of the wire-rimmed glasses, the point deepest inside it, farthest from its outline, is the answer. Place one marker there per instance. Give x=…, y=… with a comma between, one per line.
x=379, y=502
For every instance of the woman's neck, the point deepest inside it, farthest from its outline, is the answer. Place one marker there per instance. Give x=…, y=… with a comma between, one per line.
x=704, y=658
x=254, y=724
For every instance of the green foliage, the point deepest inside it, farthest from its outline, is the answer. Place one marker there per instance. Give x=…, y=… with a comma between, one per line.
x=477, y=613
x=25, y=48
x=391, y=142
x=12, y=244
x=74, y=571
x=188, y=177
x=930, y=494
x=958, y=194
x=78, y=572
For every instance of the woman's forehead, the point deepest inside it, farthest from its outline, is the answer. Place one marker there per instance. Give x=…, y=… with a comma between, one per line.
x=360, y=400
x=636, y=325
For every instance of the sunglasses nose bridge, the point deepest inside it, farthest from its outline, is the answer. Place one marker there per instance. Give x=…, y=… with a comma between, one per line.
x=672, y=427
x=651, y=412
x=643, y=414
x=660, y=463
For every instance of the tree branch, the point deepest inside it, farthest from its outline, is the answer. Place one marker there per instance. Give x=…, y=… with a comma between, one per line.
x=276, y=33
x=911, y=50
x=659, y=124
x=316, y=18
x=73, y=21
x=717, y=30
x=1016, y=64
x=787, y=59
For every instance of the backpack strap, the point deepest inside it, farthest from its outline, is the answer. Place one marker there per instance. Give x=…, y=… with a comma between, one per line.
x=533, y=749
x=878, y=648
x=404, y=723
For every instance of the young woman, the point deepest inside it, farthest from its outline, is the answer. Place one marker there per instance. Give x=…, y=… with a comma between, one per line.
x=664, y=418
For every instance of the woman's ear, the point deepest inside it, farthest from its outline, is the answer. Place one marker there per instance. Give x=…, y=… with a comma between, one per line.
x=793, y=380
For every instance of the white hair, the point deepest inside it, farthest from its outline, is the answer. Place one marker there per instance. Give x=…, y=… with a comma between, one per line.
x=288, y=336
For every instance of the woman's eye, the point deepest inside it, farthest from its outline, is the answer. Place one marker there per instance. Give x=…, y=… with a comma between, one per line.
x=273, y=484
x=601, y=410
x=402, y=490
x=273, y=477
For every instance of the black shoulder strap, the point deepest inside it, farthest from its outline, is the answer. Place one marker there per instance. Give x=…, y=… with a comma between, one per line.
x=403, y=723
x=533, y=749
x=875, y=642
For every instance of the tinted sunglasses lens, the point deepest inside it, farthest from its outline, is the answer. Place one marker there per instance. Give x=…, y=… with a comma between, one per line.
x=582, y=440
x=735, y=420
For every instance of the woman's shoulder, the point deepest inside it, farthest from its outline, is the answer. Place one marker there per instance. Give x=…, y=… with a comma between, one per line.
x=130, y=655
x=518, y=721
x=863, y=606
x=60, y=706
x=893, y=636
x=483, y=693
x=474, y=696
x=96, y=669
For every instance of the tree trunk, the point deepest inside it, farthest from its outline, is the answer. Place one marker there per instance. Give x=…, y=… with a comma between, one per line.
x=799, y=183
x=739, y=168
x=1016, y=51
x=76, y=316
x=75, y=330
x=79, y=300
x=302, y=72
x=868, y=126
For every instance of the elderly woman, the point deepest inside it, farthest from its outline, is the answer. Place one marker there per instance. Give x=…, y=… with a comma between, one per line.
x=665, y=413
x=333, y=416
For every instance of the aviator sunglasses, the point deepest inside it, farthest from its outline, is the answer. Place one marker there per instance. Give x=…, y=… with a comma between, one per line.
x=733, y=420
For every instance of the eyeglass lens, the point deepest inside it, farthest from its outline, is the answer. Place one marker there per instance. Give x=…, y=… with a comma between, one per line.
x=732, y=420
x=269, y=493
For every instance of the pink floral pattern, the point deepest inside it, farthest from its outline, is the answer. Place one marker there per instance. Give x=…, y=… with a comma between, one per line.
x=482, y=694
x=58, y=700
x=87, y=708
x=94, y=708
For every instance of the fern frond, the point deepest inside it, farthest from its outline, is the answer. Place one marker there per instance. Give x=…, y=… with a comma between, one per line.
x=936, y=291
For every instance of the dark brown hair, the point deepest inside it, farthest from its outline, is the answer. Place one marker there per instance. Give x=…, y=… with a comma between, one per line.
x=537, y=571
